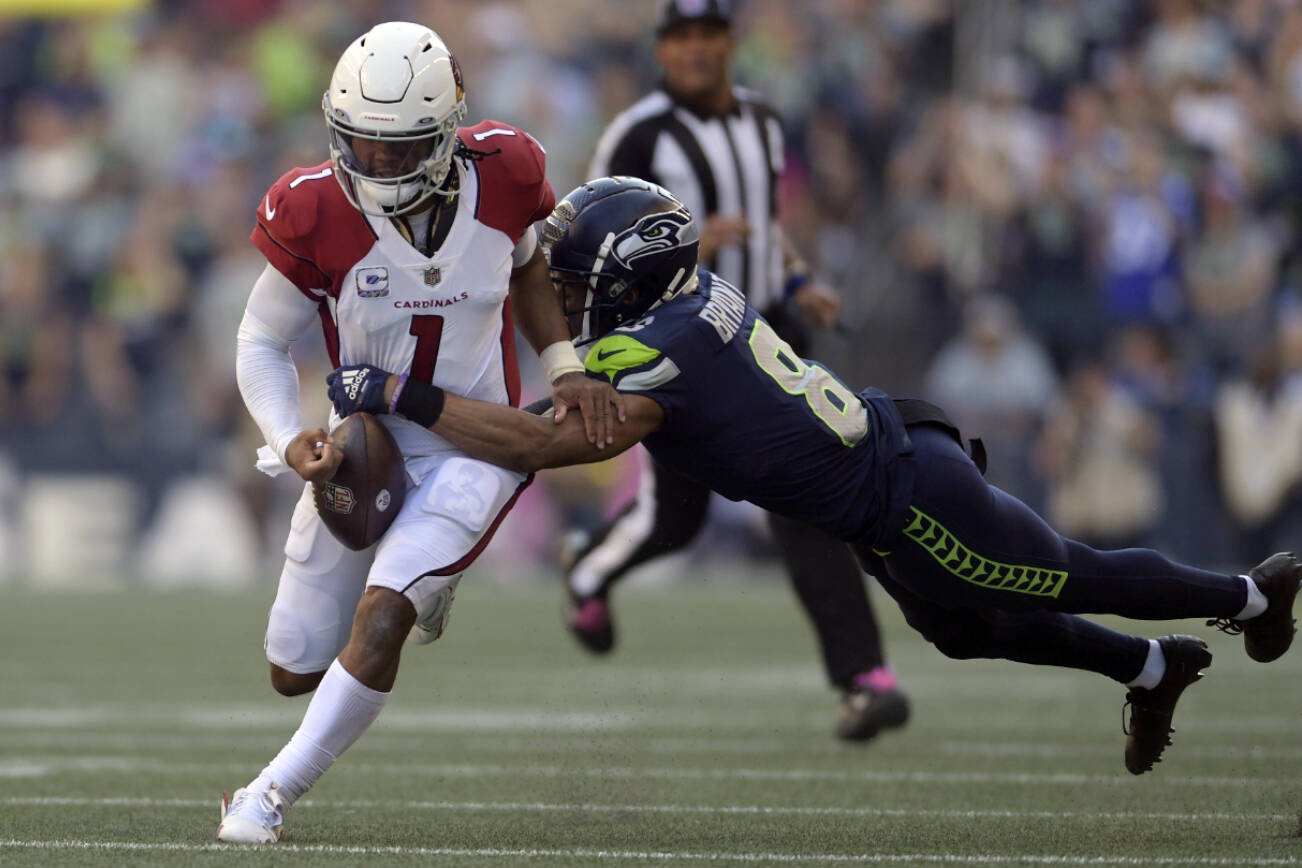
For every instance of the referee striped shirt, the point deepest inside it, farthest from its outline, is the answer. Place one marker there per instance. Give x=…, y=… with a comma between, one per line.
x=715, y=164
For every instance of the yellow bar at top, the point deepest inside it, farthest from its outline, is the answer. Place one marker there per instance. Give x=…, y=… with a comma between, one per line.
x=40, y=8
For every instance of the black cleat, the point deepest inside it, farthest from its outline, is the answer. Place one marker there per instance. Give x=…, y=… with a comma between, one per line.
x=588, y=619
x=1149, y=729
x=1267, y=636
x=866, y=712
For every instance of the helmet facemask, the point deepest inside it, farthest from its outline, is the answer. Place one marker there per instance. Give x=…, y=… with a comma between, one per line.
x=423, y=169
x=595, y=304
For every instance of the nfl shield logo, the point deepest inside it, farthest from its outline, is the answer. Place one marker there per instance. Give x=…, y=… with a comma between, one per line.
x=433, y=275
x=339, y=499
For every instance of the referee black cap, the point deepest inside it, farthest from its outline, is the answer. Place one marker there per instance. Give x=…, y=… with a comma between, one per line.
x=674, y=12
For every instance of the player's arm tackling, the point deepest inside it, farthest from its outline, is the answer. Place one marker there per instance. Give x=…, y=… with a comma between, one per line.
x=525, y=443
x=495, y=433
x=539, y=319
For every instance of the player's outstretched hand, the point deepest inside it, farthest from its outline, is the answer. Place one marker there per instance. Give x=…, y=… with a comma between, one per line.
x=312, y=457
x=594, y=400
x=357, y=388
x=722, y=230
x=821, y=303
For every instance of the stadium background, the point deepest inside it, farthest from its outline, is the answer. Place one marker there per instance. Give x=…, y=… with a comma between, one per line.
x=1073, y=223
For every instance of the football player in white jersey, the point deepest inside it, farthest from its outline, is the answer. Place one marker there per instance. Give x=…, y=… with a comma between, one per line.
x=414, y=249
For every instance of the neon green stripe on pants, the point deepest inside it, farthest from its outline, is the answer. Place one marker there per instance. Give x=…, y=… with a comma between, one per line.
x=969, y=566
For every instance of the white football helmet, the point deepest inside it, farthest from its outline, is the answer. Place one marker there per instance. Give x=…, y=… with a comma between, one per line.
x=398, y=83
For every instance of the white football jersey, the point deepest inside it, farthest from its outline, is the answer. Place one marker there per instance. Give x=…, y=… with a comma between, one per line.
x=443, y=319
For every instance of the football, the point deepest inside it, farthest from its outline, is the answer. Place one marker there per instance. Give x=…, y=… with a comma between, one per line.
x=361, y=500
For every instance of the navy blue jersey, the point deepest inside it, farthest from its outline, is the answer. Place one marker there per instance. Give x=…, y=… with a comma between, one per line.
x=748, y=418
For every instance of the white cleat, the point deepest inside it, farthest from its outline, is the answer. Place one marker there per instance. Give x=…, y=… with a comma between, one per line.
x=252, y=817
x=429, y=628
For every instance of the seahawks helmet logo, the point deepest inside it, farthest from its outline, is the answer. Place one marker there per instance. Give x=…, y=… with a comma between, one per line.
x=652, y=234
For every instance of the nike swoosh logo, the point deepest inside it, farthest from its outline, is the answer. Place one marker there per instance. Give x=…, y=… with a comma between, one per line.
x=602, y=355
x=271, y=212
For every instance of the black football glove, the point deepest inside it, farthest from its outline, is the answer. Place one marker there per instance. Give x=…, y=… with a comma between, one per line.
x=357, y=388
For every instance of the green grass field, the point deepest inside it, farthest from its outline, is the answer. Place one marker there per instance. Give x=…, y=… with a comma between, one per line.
x=704, y=740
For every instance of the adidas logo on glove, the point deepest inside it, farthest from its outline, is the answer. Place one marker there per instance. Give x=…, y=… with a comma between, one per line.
x=353, y=381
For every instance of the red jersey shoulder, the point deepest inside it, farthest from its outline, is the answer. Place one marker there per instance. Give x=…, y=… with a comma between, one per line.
x=513, y=187
x=308, y=230
x=304, y=198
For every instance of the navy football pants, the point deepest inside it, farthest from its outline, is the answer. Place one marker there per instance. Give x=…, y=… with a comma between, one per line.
x=980, y=574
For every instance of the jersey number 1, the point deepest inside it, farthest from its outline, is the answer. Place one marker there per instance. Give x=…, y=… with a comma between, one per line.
x=831, y=401
x=428, y=330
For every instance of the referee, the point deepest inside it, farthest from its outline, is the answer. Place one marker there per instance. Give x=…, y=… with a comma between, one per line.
x=719, y=149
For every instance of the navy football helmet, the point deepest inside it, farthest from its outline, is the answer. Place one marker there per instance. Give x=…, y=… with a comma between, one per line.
x=618, y=247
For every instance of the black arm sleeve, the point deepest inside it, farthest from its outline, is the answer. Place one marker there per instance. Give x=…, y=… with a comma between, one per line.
x=542, y=405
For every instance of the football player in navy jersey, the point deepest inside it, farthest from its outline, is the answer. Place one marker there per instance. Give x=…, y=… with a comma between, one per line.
x=714, y=394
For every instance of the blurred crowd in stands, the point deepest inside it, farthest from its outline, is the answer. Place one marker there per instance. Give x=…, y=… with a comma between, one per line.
x=1072, y=223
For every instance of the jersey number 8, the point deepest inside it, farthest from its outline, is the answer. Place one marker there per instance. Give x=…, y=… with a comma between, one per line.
x=831, y=401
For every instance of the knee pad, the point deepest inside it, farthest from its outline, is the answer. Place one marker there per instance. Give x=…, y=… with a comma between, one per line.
x=956, y=646
x=973, y=634
x=954, y=633
x=305, y=637
x=315, y=601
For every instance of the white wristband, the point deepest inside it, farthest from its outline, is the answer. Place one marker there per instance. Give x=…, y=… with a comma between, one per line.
x=281, y=446
x=559, y=359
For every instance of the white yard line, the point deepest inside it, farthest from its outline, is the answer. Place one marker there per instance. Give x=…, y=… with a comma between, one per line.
x=597, y=742
x=619, y=715
x=380, y=741
x=40, y=766
x=659, y=855
x=744, y=810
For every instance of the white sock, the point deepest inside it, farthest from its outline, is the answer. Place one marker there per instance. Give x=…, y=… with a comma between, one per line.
x=1154, y=668
x=1256, y=601
x=340, y=711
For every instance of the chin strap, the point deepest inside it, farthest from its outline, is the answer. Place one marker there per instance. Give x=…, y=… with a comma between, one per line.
x=678, y=286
